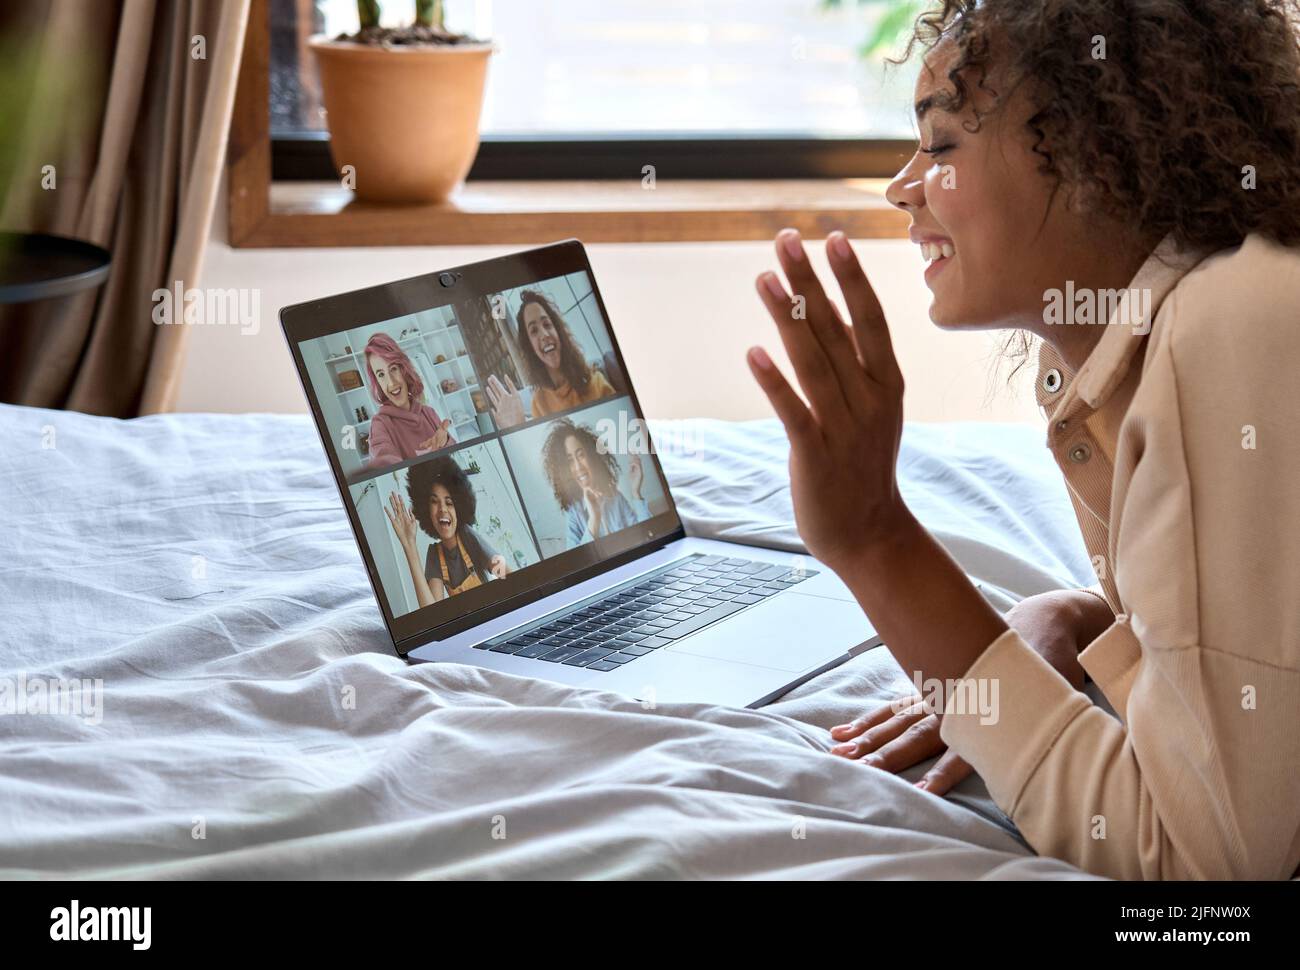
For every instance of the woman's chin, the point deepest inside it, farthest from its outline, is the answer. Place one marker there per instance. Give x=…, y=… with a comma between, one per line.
x=946, y=315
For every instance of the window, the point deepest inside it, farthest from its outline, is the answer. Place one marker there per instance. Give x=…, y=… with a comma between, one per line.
x=587, y=88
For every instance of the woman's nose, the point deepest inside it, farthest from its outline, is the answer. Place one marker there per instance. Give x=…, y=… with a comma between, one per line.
x=906, y=191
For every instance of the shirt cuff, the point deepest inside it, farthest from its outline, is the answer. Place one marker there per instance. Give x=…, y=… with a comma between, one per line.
x=1005, y=715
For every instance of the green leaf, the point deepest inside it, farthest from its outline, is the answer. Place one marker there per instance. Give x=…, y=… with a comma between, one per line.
x=893, y=28
x=368, y=13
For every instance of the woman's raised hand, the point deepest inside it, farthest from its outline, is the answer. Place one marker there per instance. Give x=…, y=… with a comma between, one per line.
x=402, y=521
x=497, y=567
x=507, y=405
x=844, y=440
x=635, y=475
x=591, y=499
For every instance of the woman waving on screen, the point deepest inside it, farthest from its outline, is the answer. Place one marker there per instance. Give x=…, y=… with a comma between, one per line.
x=560, y=376
x=445, y=509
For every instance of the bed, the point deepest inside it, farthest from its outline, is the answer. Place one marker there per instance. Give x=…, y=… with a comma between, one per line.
x=254, y=723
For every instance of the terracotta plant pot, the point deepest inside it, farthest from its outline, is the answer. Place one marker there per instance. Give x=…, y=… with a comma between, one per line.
x=405, y=118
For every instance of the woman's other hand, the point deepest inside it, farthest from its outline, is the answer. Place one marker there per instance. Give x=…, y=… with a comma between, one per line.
x=443, y=435
x=507, y=404
x=902, y=733
x=439, y=439
x=497, y=567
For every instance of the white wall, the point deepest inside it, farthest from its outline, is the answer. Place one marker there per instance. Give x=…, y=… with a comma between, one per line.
x=684, y=314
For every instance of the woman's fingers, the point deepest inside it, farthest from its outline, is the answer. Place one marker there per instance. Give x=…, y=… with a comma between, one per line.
x=948, y=771
x=919, y=741
x=823, y=317
x=878, y=735
x=812, y=368
x=789, y=407
x=878, y=715
x=870, y=332
x=510, y=385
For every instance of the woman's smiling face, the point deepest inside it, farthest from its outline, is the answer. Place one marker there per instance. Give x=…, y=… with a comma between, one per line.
x=579, y=462
x=992, y=229
x=443, y=512
x=390, y=380
x=542, y=335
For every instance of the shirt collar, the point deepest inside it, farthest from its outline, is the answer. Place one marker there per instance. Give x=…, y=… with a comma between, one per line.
x=1125, y=332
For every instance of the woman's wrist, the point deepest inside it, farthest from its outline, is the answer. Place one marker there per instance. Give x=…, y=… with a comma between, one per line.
x=898, y=535
x=928, y=612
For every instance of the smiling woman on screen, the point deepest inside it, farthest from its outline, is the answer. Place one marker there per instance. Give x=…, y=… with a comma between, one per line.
x=404, y=427
x=584, y=477
x=553, y=363
x=1144, y=157
x=444, y=506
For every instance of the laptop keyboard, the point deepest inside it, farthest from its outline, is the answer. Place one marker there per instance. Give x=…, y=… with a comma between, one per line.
x=648, y=612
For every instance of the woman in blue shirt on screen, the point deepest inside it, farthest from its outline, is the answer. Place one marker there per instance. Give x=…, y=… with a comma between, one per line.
x=585, y=479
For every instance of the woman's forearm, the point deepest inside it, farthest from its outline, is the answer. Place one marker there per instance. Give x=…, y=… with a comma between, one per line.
x=423, y=595
x=929, y=614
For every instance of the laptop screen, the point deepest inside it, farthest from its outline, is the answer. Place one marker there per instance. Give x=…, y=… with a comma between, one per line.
x=490, y=447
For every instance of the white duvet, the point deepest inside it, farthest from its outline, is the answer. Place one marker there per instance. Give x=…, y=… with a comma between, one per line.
x=254, y=722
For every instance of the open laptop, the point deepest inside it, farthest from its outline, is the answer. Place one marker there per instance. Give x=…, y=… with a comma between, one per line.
x=510, y=507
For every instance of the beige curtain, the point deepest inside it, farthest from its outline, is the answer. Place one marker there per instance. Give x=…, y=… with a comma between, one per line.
x=135, y=125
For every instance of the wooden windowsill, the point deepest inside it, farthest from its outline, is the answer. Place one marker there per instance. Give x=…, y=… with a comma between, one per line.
x=325, y=214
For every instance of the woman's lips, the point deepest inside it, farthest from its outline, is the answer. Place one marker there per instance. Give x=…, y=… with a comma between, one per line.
x=937, y=251
x=937, y=266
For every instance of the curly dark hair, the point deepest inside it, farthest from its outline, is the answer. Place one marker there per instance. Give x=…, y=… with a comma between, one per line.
x=443, y=471
x=1158, y=132
x=555, y=461
x=574, y=366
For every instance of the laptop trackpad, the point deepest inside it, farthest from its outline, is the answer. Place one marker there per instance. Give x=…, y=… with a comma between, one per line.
x=790, y=632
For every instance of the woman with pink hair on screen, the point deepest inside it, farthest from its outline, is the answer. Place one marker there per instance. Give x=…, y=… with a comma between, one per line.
x=404, y=426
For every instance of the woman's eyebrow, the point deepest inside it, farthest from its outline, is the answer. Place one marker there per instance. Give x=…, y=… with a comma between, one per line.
x=923, y=106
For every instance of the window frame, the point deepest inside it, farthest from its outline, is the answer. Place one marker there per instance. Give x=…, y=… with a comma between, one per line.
x=760, y=183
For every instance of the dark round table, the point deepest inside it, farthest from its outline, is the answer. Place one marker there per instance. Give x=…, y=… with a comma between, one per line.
x=37, y=266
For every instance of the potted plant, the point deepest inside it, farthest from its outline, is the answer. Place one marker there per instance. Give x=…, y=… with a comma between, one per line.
x=403, y=104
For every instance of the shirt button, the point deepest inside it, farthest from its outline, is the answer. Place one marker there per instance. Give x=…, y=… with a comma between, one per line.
x=1080, y=454
x=1052, y=381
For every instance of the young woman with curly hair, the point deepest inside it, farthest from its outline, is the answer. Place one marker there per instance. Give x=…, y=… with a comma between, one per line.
x=584, y=478
x=553, y=364
x=443, y=504
x=1144, y=155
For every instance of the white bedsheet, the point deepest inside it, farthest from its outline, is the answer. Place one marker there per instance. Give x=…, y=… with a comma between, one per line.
x=202, y=568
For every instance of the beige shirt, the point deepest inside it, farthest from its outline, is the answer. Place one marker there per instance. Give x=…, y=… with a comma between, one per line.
x=1181, y=453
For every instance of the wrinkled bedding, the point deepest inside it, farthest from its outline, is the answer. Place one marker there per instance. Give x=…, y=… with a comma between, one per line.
x=256, y=724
